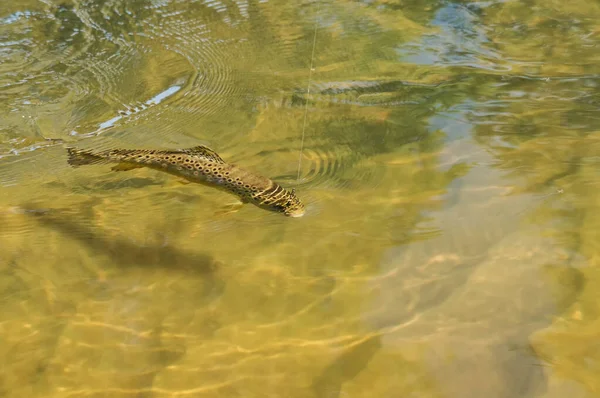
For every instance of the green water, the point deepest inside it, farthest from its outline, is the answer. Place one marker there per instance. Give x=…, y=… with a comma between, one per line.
x=450, y=170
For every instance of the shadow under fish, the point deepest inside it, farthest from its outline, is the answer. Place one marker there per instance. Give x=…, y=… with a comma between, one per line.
x=125, y=254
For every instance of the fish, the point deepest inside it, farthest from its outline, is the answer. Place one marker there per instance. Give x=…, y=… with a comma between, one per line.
x=201, y=165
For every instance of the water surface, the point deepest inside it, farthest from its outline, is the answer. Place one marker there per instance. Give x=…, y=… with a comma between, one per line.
x=449, y=163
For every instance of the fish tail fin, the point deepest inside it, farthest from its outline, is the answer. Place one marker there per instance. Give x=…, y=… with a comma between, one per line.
x=81, y=157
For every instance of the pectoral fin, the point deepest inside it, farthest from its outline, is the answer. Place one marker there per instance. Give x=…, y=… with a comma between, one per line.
x=126, y=166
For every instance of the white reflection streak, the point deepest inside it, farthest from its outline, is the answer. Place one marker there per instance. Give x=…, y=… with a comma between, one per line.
x=157, y=99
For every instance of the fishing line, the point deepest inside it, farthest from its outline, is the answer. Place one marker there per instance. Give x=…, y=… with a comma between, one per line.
x=310, y=70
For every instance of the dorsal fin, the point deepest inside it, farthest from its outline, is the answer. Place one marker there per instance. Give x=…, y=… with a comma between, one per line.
x=205, y=152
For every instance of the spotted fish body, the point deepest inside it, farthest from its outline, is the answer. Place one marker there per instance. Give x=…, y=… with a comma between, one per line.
x=200, y=165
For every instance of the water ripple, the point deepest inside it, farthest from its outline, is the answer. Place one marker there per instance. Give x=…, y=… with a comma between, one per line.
x=112, y=65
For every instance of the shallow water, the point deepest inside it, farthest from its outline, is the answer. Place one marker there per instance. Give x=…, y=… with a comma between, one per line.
x=450, y=167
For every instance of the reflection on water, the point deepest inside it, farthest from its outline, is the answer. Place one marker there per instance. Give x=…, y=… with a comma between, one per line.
x=450, y=171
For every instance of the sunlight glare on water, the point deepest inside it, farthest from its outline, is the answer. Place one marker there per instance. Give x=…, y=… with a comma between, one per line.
x=450, y=171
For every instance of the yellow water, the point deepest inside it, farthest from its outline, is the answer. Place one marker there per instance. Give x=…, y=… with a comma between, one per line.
x=450, y=169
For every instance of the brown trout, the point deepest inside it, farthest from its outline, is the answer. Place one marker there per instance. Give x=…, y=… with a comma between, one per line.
x=200, y=165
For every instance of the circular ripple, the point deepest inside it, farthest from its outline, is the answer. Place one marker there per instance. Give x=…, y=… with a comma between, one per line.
x=189, y=32
x=328, y=168
x=322, y=165
x=325, y=166
x=214, y=81
x=109, y=60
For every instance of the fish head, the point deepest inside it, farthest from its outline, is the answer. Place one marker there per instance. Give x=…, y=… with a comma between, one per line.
x=293, y=207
